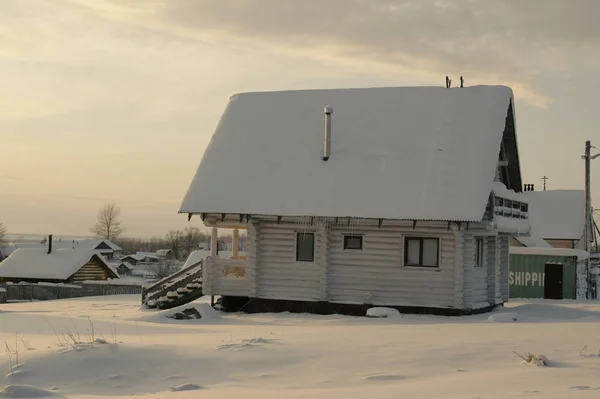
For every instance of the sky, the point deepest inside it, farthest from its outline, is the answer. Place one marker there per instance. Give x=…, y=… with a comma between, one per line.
x=114, y=101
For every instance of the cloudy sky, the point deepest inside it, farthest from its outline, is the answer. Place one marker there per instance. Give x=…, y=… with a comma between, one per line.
x=115, y=100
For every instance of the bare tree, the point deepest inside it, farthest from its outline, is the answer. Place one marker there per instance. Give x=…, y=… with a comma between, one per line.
x=108, y=225
x=2, y=232
x=175, y=241
x=193, y=236
x=163, y=269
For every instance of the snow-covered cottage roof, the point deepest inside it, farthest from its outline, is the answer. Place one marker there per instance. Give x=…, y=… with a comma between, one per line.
x=60, y=264
x=126, y=265
x=396, y=153
x=74, y=244
x=140, y=255
x=533, y=241
x=5, y=251
x=557, y=214
x=164, y=252
x=195, y=257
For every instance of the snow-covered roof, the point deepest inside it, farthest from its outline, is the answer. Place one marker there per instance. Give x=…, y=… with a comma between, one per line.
x=397, y=153
x=133, y=256
x=195, y=257
x=126, y=265
x=581, y=255
x=557, y=214
x=140, y=255
x=5, y=251
x=163, y=252
x=72, y=244
x=533, y=241
x=499, y=189
x=36, y=263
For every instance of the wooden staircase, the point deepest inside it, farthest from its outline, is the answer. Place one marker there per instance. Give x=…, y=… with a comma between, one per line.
x=178, y=289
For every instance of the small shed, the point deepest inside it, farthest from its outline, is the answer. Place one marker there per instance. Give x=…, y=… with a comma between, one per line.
x=548, y=273
x=125, y=269
x=34, y=265
x=165, y=254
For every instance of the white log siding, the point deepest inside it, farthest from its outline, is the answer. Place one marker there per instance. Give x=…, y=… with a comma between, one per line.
x=468, y=259
x=279, y=276
x=503, y=245
x=493, y=270
x=459, y=270
x=93, y=270
x=480, y=274
x=377, y=275
x=252, y=255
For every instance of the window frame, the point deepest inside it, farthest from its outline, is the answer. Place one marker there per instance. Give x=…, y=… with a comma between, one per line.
x=297, y=245
x=420, y=239
x=346, y=236
x=479, y=252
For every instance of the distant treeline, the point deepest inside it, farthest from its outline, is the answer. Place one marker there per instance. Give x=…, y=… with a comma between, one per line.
x=182, y=242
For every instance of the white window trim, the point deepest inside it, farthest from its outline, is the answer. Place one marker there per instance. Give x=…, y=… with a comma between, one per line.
x=296, y=232
x=424, y=235
x=344, y=234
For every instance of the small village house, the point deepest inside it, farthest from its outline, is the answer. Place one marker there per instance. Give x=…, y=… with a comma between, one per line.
x=125, y=269
x=106, y=248
x=166, y=254
x=36, y=265
x=141, y=258
x=402, y=197
x=557, y=219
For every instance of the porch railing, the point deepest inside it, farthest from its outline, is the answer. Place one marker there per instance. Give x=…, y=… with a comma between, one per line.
x=226, y=277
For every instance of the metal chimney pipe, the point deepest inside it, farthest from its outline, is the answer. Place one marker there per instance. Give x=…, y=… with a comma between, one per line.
x=49, y=243
x=327, y=143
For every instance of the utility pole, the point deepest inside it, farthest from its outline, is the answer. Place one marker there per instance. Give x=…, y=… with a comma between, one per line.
x=588, y=214
x=544, y=179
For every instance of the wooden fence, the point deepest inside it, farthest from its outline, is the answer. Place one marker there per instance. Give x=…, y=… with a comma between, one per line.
x=44, y=292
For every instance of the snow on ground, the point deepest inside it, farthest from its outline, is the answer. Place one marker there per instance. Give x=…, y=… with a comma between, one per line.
x=135, y=351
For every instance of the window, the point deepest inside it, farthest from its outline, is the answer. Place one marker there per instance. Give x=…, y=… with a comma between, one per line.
x=305, y=247
x=478, y=252
x=423, y=252
x=353, y=242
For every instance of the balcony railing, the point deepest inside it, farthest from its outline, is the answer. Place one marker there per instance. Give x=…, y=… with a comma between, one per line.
x=508, y=208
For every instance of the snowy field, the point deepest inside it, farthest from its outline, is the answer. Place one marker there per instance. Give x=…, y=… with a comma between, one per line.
x=142, y=352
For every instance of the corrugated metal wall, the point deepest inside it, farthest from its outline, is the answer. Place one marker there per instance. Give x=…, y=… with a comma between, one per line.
x=527, y=273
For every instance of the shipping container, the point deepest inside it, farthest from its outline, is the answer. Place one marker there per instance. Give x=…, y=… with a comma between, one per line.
x=543, y=276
